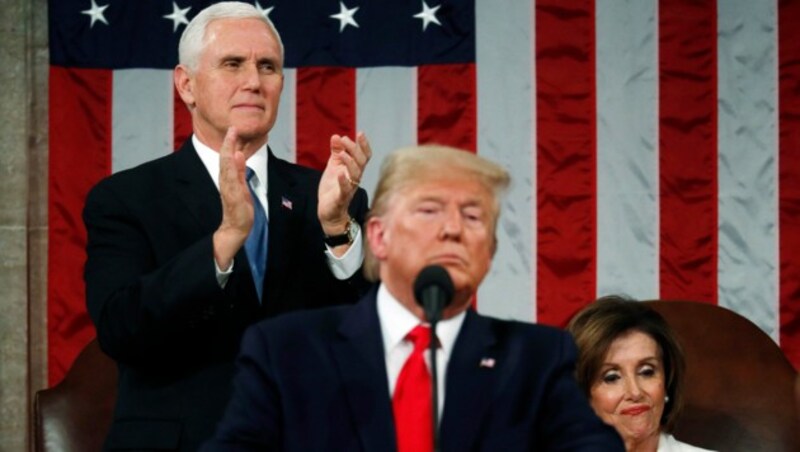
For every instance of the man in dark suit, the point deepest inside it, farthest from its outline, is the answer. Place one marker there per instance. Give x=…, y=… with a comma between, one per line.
x=171, y=281
x=348, y=379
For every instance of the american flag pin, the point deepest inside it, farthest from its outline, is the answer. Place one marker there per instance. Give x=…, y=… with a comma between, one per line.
x=487, y=363
x=285, y=202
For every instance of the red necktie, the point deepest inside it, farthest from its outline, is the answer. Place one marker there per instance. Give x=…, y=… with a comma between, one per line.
x=412, y=405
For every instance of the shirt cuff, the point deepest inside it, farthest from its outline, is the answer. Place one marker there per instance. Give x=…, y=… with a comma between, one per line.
x=223, y=275
x=348, y=264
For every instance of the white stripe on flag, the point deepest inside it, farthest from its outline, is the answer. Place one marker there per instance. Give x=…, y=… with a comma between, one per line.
x=141, y=116
x=282, y=137
x=506, y=103
x=627, y=143
x=748, y=146
x=386, y=110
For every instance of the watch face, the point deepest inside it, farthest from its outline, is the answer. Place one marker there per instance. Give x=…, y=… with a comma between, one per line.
x=351, y=230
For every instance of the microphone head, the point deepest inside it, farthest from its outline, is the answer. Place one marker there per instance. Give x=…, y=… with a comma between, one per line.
x=434, y=276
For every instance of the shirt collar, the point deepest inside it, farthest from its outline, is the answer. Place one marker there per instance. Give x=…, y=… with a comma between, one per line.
x=210, y=158
x=396, y=322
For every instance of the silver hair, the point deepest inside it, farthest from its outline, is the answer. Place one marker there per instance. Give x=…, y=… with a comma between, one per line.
x=193, y=39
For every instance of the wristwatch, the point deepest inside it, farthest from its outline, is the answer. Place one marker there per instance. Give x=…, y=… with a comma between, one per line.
x=344, y=238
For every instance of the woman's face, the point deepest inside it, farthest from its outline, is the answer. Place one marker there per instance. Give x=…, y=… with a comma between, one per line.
x=629, y=392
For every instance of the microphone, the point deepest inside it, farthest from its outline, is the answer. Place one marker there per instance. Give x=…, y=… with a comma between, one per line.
x=433, y=290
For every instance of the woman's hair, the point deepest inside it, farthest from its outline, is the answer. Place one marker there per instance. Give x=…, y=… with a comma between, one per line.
x=409, y=166
x=608, y=318
x=193, y=39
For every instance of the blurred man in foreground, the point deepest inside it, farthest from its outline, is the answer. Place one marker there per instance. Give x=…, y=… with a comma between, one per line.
x=357, y=378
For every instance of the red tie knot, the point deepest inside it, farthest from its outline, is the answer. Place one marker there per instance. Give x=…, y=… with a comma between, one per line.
x=420, y=336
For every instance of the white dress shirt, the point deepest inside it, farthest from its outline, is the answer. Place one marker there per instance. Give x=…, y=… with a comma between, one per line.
x=668, y=443
x=396, y=322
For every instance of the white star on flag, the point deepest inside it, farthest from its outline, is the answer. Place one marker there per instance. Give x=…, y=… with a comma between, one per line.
x=96, y=13
x=345, y=16
x=178, y=16
x=428, y=15
x=264, y=11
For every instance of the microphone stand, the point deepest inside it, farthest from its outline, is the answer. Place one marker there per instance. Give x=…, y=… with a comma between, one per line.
x=434, y=383
x=433, y=290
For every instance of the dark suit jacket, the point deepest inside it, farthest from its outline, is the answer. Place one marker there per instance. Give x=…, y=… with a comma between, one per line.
x=316, y=381
x=153, y=295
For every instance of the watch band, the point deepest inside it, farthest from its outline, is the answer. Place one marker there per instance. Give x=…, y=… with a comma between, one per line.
x=344, y=238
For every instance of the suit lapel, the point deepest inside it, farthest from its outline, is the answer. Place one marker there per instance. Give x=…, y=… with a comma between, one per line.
x=471, y=375
x=287, y=205
x=196, y=188
x=360, y=362
x=201, y=197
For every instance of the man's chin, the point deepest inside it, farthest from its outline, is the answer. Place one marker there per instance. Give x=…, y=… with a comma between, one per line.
x=250, y=132
x=454, y=267
x=251, y=124
x=461, y=278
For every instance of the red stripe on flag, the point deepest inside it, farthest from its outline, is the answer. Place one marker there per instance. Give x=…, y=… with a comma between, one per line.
x=688, y=149
x=566, y=158
x=326, y=105
x=181, y=121
x=789, y=178
x=446, y=105
x=447, y=108
x=80, y=155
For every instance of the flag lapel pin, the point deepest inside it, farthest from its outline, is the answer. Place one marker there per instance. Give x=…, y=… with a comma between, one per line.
x=487, y=363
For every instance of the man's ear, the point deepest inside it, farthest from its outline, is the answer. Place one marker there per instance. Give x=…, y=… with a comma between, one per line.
x=376, y=237
x=184, y=84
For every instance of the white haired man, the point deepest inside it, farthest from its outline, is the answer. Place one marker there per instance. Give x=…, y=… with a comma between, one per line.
x=186, y=251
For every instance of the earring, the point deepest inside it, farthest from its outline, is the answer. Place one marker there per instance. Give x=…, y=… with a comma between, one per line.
x=666, y=399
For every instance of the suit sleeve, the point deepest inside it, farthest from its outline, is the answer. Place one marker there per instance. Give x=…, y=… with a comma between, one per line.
x=145, y=306
x=570, y=424
x=252, y=420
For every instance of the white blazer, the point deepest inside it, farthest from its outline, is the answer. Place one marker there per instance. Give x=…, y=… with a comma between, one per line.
x=668, y=443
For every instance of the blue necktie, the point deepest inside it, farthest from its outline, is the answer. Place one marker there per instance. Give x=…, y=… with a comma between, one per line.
x=256, y=244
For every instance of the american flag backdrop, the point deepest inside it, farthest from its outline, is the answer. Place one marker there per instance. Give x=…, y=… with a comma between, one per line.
x=654, y=145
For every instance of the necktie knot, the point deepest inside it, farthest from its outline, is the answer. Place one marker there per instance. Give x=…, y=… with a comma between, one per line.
x=420, y=336
x=249, y=173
